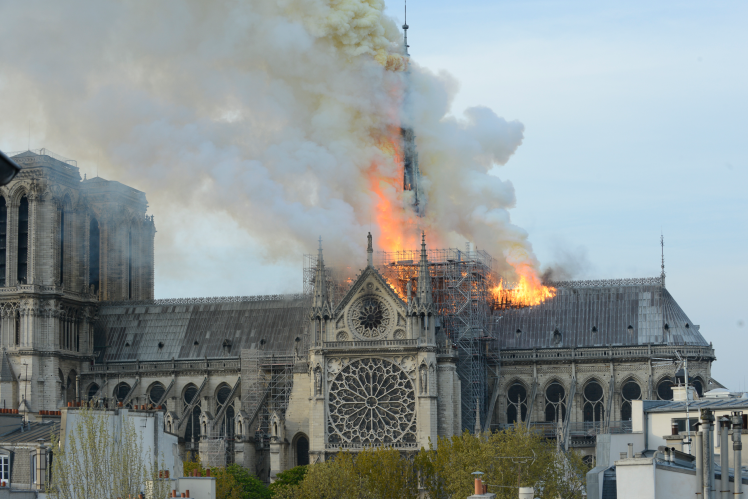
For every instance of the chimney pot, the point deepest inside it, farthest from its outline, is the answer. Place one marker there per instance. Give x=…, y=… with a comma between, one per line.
x=208, y=471
x=187, y=493
x=70, y=404
x=167, y=473
x=478, y=487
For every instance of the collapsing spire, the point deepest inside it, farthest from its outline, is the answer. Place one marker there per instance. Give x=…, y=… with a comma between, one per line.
x=411, y=173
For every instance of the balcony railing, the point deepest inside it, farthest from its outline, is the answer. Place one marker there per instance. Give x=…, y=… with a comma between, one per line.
x=179, y=365
x=371, y=344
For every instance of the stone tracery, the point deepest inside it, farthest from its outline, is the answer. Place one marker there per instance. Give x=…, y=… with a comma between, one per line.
x=372, y=402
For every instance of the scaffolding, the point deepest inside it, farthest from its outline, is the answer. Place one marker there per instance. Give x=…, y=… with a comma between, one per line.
x=462, y=284
x=267, y=380
x=339, y=280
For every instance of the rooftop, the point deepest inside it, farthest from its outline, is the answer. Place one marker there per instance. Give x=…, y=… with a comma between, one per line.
x=599, y=313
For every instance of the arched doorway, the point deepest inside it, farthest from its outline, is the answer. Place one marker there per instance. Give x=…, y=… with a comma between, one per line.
x=302, y=451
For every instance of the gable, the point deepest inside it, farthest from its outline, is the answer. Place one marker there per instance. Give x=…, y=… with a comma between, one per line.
x=371, y=310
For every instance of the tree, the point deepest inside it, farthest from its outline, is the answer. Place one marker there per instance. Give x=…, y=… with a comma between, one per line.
x=510, y=459
x=382, y=473
x=232, y=482
x=288, y=478
x=102, y=457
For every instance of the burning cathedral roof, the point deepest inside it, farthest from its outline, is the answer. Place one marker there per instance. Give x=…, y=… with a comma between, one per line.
x=599, y=313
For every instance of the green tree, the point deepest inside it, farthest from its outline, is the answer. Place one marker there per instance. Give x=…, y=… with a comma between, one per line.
x=288, y=478
x=511, y=458
x=232, y=482
x=101, y=457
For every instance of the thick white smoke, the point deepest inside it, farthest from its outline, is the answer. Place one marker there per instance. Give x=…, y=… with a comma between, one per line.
x=276, y=112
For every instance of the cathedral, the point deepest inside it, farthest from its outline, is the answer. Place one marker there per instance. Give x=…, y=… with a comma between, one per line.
x=408, y=351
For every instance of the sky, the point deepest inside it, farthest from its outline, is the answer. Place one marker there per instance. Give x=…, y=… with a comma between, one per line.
x=634, y=125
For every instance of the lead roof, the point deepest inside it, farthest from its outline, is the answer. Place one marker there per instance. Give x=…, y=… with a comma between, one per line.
x=626, y=312
x=221, y=327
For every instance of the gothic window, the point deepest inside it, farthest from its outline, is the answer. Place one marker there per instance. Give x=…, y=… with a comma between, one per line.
x=630, y=391
x=121, y=391
x=3, y=239
x=370, y=318
x=699, y=386
x=155, y=393
x=23, y=239
x=372, y=402
x=93, y=254
x=222, y=398
x=593, y=402
x=555, y=402
x=665, y=389
x=516, y=409
x=92, y=391
x=192, y=432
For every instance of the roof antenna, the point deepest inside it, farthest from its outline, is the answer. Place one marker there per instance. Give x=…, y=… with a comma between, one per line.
x=405, y=29
x=662, y=246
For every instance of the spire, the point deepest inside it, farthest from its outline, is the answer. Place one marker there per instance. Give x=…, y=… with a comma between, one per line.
x=662, y=246
x=320, y=280
x=405, y=29
x=424, y=276
x=369, y=252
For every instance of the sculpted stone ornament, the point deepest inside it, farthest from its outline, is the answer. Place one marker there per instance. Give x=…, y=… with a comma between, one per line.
x=370, y=318
x=317, y=382
x=372, y=402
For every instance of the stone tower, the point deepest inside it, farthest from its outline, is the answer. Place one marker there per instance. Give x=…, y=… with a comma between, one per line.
x=65, y=244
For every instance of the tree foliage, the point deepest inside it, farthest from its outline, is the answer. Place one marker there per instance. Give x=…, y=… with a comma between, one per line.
x=510, y=459
x=232, y=482
x=102, y=457
x=288, y=478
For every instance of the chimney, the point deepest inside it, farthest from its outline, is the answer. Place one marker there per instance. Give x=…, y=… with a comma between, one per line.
x=631, y=450
x=737, y=447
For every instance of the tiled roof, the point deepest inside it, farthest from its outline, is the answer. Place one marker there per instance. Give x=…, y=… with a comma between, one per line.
x=599, y=313
x=198, y=328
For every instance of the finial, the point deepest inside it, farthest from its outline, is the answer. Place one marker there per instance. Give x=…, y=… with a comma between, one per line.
x=370, y=252
x=320, y=243
x=662, y=247
x=405, y=29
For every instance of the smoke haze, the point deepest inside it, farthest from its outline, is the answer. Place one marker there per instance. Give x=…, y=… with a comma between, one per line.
x=280, y=114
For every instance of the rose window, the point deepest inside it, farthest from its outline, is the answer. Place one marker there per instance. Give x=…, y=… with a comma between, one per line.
x=371, y=401
x=370, y=318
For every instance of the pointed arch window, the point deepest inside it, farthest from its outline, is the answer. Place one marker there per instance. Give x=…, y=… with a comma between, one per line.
x=222, y=398
x=3, y=239
x=93, y=254
x=516, y=409
x=593, y=411
x=629, y=392
x=23, y=239
x=555, y=402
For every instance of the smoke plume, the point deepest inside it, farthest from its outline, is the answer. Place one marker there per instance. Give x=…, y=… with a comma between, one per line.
x=282, y=114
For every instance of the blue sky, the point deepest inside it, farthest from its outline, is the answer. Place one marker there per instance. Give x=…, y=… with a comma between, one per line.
x=635, y=122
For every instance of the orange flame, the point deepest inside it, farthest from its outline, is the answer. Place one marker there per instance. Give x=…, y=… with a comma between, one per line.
x=529, y=291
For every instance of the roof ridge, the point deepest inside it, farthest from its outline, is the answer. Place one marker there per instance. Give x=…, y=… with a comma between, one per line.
x=603, y=283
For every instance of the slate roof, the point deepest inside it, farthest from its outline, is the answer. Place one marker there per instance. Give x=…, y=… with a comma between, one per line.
x=623, y=312
x=695, y=406
x=31, y=433
x=134, y=330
